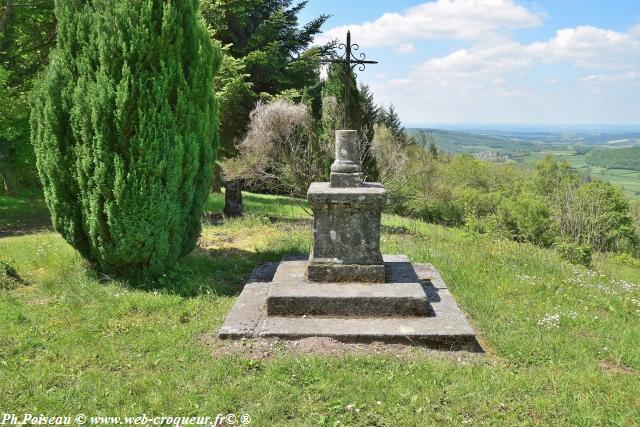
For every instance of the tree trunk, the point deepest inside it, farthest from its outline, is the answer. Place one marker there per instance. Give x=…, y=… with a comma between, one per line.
x=233, y=198
x=4, y=182
x=216, y=186
x=5, y=15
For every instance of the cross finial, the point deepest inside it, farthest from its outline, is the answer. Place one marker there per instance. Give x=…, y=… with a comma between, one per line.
x=349, y=60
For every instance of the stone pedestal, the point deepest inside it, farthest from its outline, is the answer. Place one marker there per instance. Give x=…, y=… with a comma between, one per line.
x=346, y=233
x=346, y=220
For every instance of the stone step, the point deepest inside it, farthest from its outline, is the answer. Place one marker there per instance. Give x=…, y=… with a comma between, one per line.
x=347, y=299
x=442, y=331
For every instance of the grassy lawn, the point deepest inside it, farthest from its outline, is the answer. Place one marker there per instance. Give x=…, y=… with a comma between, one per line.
x=561, y=341
x=22, y=215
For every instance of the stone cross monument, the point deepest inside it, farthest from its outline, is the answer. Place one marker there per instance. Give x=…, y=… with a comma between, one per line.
x=346, y=289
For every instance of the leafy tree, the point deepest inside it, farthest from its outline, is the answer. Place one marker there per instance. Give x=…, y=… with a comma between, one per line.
x=528, y=218
x=27, y=34
x=123, y=126
x=605, y=217
x=551, y=175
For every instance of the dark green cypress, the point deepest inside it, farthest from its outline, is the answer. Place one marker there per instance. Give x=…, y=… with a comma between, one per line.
x=124, y=126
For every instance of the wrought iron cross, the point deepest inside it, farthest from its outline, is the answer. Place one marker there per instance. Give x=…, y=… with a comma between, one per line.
x=349, y=60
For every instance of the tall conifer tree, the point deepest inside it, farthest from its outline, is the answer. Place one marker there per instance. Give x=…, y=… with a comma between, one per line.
x=124, y=130
x=362, y=114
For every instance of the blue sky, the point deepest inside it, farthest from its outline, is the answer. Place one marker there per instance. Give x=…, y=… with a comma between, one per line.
x=497, y=61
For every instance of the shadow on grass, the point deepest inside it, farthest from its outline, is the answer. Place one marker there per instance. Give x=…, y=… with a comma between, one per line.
x=263, y=205
x=399, y=230
x=20, y=216
x=221, y=272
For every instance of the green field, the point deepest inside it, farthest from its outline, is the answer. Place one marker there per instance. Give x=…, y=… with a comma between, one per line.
x=529, y=148
x=560, y=341
x=627, y=180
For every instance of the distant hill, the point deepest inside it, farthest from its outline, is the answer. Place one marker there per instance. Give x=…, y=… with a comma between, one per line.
x=464, y=142
x=620, y=158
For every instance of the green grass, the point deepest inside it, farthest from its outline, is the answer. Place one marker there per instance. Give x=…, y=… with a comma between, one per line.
x=22, y=215
x=276, y=207
x=74, y=341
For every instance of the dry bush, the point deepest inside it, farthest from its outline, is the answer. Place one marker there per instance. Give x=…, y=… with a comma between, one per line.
x=280, y=149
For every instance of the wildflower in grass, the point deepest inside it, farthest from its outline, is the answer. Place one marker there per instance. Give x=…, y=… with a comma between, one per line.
x=550, y=321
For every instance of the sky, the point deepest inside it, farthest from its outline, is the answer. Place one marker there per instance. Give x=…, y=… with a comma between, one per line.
x=549, y=62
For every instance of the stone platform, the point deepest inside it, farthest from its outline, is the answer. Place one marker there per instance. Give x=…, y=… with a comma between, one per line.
x=413, y=306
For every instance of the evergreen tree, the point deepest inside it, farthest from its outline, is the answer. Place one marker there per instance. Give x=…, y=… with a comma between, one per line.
x=362, y=114
x=274, y=55
x=272, y=52
x=390, y=119
x=27, y=34
x=124, y=130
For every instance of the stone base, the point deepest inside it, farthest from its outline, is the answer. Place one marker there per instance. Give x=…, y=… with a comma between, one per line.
x=338, y=179
x=327, y=272
x=291, y=294
x=414, y=307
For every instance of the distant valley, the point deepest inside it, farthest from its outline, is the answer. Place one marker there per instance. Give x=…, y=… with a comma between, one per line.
x=609, y=154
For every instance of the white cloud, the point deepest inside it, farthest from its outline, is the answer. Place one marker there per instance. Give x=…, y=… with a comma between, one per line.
x=594, y=79
x=491, y=82
x=406, y=48
x=579, y=74
x=588, y=46
x=441, y=19
x=584, y=47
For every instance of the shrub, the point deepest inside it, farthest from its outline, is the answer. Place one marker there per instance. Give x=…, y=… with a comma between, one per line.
x=575, y=253
x=596, y=214
x=280, y=149
x=124, y=129
x=528, y=219
x=9, y=277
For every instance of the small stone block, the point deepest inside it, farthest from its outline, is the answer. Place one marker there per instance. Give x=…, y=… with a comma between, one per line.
x=324, y=272
x=342, y=180
x=368, y=193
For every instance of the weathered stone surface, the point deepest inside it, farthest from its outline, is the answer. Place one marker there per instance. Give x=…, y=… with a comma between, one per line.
x=264, y=272
x=346, y=233
x=248, y=313
x=398, y=270
x=347, y=160
x=233, y=206
x=446, y=325
x=370, y=193
x=320, y=271
x=337, y=179
x=342, y=299
x=438, y=331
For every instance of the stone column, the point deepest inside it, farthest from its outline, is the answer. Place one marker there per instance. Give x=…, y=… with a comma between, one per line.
x=346, y=170
x=346, y=220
